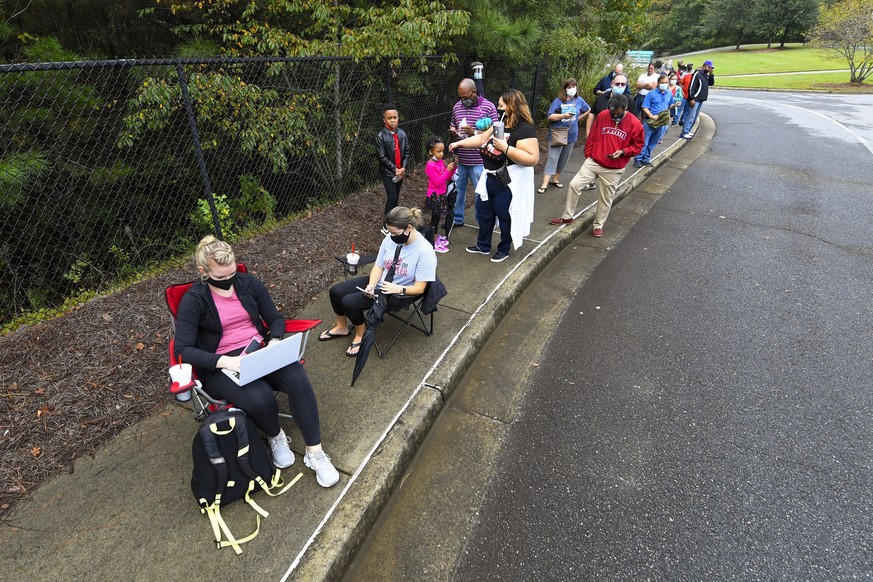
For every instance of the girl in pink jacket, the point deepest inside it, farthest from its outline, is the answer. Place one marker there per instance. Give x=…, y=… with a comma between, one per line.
x=441, y=192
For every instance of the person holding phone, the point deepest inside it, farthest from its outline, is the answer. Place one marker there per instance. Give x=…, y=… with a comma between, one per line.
x=415, y=267
x=615, y=138
x=514, y=153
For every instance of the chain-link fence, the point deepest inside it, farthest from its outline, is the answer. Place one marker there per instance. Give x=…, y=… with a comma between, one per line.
x=107, y=168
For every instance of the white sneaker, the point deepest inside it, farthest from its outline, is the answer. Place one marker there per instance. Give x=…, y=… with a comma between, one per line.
x=282, y=455
x=325, y=473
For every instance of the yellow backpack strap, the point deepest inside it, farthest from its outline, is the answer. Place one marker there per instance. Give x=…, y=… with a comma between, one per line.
x=275, y=482
x=219, y=527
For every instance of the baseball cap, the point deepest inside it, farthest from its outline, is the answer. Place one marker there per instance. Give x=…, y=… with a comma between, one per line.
x=708, y=64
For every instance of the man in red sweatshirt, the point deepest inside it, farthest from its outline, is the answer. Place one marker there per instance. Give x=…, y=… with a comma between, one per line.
x=614, y=139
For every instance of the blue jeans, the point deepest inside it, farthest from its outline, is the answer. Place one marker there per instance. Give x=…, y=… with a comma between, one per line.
x=461, y=175
x=490, y=211
x=679, y=113
x=651, y=139
x=690, y=115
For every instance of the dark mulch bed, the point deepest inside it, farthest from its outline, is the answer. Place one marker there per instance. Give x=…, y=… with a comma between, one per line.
x=67, y=386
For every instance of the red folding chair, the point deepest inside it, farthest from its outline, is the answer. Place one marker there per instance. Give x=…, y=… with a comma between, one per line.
x=201, y=402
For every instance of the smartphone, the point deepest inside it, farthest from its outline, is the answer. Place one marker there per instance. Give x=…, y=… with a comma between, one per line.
x=364, y=291
x=253, y=346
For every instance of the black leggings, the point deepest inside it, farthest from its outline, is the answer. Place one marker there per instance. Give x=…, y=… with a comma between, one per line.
x=449, y=217
x=257, y=399
x=347, y=300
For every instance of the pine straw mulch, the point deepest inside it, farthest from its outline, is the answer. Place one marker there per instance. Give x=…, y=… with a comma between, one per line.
x=69, y=385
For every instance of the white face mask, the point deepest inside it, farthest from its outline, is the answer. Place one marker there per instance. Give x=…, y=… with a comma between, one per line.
x=672, y=81
x=571, y=91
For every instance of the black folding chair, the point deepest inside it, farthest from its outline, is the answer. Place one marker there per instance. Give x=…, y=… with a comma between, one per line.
x=424, y=323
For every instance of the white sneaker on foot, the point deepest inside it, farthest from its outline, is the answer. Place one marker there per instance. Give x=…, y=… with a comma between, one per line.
x=282, y=455
x=325, y=473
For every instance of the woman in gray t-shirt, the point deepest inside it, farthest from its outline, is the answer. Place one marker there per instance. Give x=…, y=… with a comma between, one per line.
x=415, y=268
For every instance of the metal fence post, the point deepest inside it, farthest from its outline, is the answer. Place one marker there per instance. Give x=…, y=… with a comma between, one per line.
x=533, y=96
x=201, y=162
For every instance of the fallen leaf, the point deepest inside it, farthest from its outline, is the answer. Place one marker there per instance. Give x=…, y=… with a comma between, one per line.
x=140, y=346
x=35, y=452
x=106, y=317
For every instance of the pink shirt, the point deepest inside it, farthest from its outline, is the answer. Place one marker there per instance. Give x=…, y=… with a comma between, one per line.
x=438, y=175
x=237, y=327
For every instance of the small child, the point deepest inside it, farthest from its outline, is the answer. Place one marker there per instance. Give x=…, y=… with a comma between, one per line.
x=392, y=148
x=441, y=193
x=676, y=90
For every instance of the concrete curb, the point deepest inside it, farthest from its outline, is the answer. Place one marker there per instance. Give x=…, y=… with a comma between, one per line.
x=335, y=543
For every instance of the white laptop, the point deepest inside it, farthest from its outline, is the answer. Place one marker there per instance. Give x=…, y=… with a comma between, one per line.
x=267, y=359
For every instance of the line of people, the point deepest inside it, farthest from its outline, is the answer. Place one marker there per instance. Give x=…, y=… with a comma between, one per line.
x=665, y=97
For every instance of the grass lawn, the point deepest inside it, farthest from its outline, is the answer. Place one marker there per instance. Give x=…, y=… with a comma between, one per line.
x=794, y=57
x=820, y=81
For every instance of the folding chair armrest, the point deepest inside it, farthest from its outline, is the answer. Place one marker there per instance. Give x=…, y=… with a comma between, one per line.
x=301, y=325
x=365, y=260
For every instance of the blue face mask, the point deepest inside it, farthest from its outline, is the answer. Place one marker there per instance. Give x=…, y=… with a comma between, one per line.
x=618, y=90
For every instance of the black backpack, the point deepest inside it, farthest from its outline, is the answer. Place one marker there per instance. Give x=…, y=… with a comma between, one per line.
x=230, y=459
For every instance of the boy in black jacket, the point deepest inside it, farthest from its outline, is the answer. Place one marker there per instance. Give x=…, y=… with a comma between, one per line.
x=392, y=148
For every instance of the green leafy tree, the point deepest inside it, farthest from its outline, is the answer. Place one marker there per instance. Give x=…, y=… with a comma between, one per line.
x=847, y=29
x=282, y=122
x=679, y=26
x=779, y=20
x=732, y=19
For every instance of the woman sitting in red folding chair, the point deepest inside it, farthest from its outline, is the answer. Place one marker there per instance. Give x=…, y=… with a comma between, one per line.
x=217, y=320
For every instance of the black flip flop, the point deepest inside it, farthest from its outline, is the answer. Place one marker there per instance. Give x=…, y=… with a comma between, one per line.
x=355, y=355
x=331, y=336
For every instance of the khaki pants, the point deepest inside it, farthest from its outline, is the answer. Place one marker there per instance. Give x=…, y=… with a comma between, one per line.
x=607, y=181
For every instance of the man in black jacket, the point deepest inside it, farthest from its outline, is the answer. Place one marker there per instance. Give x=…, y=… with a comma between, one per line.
x=392, y=148
x=605, y=83
x=698, y=92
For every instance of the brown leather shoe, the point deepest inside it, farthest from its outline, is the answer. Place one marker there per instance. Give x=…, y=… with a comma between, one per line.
x=561, y=221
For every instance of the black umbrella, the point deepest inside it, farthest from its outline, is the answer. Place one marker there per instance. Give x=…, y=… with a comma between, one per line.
x=373, y=317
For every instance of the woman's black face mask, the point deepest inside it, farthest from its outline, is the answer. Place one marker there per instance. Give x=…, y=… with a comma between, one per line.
x=223, y=284
x=400, y=238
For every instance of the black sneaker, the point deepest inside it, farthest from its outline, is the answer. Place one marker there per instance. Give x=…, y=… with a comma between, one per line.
x=499, y=257
x=476, y=250
x=638, y=164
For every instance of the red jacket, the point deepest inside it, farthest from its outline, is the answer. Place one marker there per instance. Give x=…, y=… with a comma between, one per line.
x=685, y=82
x=606, y=137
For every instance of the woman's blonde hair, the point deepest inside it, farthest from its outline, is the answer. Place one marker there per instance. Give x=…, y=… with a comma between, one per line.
x=401, y=217
x=219, y=251
x=516, y=108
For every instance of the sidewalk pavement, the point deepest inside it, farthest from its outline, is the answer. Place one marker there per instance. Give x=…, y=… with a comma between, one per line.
x=128, y=513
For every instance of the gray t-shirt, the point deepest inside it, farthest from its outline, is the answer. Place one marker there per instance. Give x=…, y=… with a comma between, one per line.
x=417, y=261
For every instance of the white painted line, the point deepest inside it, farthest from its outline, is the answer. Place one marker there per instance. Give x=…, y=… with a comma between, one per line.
x=863, y=141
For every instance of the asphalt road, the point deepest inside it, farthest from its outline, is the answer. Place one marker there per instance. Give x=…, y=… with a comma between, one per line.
x=704, y=409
